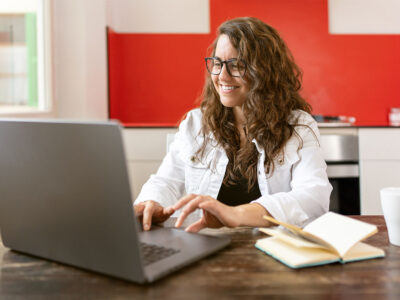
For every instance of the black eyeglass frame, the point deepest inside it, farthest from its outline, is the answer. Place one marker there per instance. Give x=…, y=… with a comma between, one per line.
x=206, y=59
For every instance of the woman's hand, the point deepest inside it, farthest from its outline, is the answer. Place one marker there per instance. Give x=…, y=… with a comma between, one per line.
x=150, y=212
x=215, y=213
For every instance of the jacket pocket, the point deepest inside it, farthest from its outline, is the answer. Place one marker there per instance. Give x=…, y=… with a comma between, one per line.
x=287, y=160
x=195, y=171
x=281, y=178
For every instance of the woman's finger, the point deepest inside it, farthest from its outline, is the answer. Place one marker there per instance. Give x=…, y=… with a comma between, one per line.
x=161, y=214
x=220, y=211
x=212, y=207
x=196, y=226
x=190, y=207
x=138, y=209
x=147, y=215
x=183, y=201
x=168, y=211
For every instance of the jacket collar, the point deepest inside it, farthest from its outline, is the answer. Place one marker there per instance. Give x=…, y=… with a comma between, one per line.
x=218, y=147
x=259, y=148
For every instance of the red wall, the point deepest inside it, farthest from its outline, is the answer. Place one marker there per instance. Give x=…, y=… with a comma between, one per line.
x=155, y=78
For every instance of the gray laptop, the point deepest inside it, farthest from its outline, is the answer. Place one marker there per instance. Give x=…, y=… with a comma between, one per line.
x=65, y=196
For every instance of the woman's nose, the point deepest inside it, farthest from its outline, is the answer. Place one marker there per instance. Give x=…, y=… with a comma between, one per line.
x=224, y=72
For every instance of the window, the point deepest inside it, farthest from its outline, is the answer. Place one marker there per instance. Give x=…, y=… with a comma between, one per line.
x=24, y=56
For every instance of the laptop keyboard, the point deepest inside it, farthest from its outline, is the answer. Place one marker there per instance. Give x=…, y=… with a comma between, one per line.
x=153, y=253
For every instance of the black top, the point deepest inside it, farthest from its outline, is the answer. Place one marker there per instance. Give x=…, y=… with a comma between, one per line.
x=238, y=194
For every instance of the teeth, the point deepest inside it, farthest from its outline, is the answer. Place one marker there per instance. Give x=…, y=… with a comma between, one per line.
x=227, y=88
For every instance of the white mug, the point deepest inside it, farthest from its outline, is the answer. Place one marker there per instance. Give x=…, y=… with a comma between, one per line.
x=390, y=200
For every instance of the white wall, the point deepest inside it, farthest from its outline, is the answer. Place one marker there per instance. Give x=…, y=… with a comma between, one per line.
x=159, y=16
x=79, y=59
x=364, y=16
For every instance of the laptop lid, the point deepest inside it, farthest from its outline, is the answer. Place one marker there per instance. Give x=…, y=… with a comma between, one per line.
x=56, y=182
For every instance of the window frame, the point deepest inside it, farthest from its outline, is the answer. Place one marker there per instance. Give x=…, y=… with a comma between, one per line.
x=45, y=100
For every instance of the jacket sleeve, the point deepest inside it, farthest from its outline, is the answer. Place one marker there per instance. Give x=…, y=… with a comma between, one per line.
x=308, y=197
x=168, y=184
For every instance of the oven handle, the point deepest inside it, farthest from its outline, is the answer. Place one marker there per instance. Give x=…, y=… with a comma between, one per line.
x=343, y=171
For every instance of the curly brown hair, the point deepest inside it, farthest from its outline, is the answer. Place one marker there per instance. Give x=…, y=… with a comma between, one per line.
x=274, y=82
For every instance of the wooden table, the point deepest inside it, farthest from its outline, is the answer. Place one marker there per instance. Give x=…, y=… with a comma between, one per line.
x=239, y=271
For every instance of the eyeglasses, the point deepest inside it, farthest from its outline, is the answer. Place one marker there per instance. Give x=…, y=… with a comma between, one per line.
x=235, y=67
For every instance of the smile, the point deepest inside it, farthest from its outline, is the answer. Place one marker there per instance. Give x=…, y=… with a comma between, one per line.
x=228, y=87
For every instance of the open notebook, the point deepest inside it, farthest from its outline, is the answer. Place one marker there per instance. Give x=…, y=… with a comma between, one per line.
x=328, y=239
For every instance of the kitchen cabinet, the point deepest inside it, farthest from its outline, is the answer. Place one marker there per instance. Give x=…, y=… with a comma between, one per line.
x=341, y=153
x=145, y=149
x=379, y=165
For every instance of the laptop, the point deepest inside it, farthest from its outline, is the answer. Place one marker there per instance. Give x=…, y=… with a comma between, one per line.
x=66, y=197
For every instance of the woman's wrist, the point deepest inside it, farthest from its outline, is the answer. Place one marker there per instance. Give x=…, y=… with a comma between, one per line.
x=240, y=215
x=251, y=215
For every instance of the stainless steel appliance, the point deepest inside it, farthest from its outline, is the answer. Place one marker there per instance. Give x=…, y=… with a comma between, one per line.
x=341, y=155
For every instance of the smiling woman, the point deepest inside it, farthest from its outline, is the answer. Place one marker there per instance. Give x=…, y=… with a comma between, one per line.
x=251, y=149
x=229, y=81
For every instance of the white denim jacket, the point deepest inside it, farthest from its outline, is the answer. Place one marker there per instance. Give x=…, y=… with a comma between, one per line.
x=297, y=192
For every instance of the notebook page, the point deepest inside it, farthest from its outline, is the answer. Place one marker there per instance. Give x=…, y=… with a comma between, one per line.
x=340, y=231
x=295, y=257
x=301, y=233
x=363, y=251
x=290, y=238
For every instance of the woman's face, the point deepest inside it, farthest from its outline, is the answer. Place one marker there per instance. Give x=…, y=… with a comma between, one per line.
x=232, y=90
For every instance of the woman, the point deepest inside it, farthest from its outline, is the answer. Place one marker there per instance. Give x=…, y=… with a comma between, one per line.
x=251, y=149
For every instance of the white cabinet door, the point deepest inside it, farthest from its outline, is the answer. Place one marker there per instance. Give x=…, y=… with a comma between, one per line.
x=375, y=175
x=145, y=148
x=379, y=165
x=139, y=173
